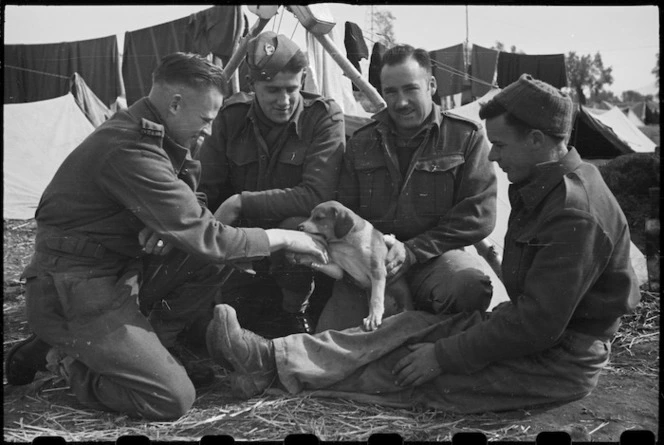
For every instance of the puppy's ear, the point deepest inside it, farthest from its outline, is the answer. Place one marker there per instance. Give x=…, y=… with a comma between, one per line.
x=343, y=222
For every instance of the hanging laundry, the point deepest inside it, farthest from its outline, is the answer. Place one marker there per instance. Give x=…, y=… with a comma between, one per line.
x=356, y=47
x=549, y=68
x=449, y=69
x=374, y=65
x=40, y=72
x=325, y=76
x=483, y=63
x=93, y=108
x=214, y=30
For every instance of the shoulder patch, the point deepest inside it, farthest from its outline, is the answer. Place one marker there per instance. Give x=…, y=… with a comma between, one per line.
x=475, y=123
x=149, y=128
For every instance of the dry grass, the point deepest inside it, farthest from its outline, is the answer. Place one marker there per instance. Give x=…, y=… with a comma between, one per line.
x=48, y=408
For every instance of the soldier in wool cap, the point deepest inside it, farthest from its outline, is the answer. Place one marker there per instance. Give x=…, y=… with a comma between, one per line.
x=566, y=268
x=274, y=154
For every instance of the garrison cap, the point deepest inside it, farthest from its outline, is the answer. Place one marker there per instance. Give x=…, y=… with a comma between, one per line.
x=268, y=53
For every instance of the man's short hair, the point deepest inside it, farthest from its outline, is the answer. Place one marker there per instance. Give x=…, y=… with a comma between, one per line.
x=188, y=69
x=491, y=109
x=400, y=53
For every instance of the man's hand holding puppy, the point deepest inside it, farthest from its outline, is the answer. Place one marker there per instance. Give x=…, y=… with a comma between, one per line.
x=399, y=258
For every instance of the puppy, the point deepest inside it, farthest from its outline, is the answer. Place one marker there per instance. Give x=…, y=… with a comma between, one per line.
x=357, y=248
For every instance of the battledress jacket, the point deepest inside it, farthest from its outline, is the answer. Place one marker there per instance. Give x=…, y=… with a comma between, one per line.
x=566, y=265
x=129, y=174
x=277, y=182
x=447, y=200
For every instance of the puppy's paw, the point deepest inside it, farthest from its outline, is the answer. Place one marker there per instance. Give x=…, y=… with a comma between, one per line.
x=372, y=322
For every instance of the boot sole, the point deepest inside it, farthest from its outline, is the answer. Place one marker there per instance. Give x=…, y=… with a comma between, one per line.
x=28, y=373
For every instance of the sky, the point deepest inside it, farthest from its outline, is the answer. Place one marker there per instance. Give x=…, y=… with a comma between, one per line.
x=627, y=37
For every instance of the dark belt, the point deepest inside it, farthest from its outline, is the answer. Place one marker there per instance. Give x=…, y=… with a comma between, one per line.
x=52, y=240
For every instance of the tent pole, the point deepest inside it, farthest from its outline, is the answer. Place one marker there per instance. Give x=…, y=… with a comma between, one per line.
x=350, y=71
x=241, y=49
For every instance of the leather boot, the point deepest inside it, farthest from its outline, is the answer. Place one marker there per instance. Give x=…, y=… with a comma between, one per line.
x=251, y=355
x=25, y=359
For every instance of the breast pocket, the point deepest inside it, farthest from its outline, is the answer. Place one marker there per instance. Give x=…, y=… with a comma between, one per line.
x=527, y=246
x=432, y=184
x=243, y=166
x=375, y=188
x=289, y=168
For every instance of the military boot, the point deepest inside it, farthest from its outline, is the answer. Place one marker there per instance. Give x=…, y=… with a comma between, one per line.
x=251, y=355
x=25, y=359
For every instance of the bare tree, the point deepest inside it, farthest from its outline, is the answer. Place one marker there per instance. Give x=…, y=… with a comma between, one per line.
x=384, y=22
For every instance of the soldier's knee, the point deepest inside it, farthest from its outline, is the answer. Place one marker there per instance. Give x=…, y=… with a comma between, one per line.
x=173, y=402
x=470, y=290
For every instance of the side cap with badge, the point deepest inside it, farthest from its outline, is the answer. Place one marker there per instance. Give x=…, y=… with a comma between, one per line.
x=268, y=53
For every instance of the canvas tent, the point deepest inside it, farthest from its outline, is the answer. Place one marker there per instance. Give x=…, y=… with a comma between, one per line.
x=37, y=136
x=604, y=134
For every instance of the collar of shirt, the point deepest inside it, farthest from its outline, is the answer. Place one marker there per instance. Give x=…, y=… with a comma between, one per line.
x=431, y=123
x=255, y=112
x=176, y=152
x=548, y=175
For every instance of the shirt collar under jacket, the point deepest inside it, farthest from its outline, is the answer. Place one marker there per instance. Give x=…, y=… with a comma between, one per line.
x=385, y=125
x=294, y=120
x=548, y=175
x=175, y=151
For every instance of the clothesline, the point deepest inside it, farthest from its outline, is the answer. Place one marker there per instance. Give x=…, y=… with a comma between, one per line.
x=441, y=65
x=37, y=72
x=456, y=72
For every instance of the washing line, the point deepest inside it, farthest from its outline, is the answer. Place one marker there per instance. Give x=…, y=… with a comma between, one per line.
x=37, y=72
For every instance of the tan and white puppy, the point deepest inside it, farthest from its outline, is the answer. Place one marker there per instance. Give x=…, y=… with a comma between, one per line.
x=357, y=248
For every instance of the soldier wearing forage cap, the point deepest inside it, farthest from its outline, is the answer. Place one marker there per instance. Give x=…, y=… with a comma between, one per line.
x=566, y=268
x=274, y=154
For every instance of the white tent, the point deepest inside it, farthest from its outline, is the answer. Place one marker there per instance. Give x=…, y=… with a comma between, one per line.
x=624, y=129
x=37, y=136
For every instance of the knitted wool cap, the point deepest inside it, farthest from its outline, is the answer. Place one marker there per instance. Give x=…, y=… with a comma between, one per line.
x=539, y=105
x=268, y=53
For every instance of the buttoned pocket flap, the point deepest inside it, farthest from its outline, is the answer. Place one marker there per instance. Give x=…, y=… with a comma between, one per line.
x=439, y=163
x=242, y=155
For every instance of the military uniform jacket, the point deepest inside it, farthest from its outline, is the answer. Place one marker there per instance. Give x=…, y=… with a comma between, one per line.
x=278, y=182
x=129, y=174
x=565, y=266
x=447, y=199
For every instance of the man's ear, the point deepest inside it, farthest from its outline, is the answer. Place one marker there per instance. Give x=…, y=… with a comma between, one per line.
x=343, y=222
x=537, y=138
x=175, y=104
x=433, y=85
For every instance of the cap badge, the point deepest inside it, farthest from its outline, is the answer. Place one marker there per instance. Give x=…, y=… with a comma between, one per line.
x=269, y=49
